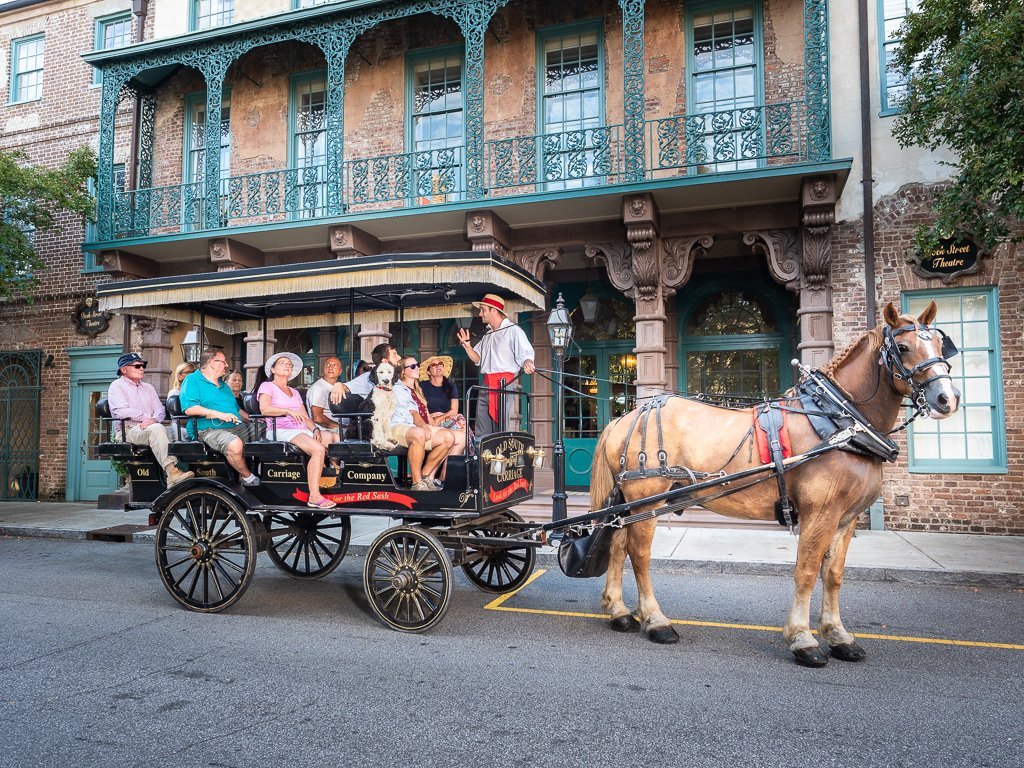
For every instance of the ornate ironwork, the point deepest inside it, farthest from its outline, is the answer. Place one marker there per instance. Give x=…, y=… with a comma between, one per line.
x=633, y=86
x=819, y=130
x=20, y=389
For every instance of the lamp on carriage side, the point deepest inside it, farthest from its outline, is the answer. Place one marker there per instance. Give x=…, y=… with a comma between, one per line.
x=560, y=333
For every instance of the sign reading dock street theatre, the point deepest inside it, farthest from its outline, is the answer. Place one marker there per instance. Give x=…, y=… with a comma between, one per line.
x=89, y=319
x=954, y=256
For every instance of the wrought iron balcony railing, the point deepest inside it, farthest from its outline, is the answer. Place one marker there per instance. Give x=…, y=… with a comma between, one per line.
x=712, y=143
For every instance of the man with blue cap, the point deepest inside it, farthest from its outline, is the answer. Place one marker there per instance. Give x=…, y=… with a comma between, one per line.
x=132, y=399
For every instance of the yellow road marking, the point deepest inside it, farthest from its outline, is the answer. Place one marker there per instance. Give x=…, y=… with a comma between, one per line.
x=498, y=604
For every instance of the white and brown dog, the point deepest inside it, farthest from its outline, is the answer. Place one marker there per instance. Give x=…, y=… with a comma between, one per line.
x=384, y=403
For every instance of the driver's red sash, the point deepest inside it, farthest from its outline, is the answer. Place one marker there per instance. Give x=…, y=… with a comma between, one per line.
x=493, y=381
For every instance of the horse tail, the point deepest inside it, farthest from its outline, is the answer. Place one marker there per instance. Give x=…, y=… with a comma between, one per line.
x=601, y=478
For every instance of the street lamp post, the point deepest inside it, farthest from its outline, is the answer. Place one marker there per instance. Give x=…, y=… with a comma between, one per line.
x=560, y=333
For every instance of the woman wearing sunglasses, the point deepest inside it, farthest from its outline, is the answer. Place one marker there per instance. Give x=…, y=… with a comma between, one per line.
x=421, y=416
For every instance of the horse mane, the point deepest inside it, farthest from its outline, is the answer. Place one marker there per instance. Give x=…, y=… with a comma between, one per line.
x=874, y=337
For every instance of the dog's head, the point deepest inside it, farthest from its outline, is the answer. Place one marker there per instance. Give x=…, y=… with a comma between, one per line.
x=383, y=375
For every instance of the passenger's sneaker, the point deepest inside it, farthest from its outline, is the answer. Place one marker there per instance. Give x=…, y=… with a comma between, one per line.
x=250, y=481
x=175, y=475
x=423, y=485
x=438, y=484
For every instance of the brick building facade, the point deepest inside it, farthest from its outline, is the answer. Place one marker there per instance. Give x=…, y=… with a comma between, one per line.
x=677, y=161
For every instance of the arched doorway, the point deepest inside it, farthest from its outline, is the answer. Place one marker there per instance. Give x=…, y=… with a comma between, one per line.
x=735, y=337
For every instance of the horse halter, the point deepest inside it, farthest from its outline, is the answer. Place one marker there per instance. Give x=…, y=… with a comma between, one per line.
x=892, y=360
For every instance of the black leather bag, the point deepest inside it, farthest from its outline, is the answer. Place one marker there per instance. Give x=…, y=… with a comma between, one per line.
x=584, y=556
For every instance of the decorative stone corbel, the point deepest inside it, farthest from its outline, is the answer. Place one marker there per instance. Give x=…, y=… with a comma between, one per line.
x=678, y=255
x=536, y=260
x=782, y=249
x=228, y=254
x=618, y=263
x=124, y=264
x=347, y=241
x=488, y=232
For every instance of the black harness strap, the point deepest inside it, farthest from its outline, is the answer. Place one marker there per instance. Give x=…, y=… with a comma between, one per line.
x=770, y=419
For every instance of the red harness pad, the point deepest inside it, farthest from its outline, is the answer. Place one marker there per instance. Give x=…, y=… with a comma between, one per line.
x=761, y=435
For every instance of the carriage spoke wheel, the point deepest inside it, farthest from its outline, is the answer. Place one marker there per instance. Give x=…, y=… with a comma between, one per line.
x=408, y=579
x=312, y=546
x=205, y=549
x=499, y=569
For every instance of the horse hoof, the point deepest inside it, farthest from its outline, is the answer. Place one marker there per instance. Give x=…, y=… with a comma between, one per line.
x=627, y=623
x=848, y=652
x=663, y=635
x=810, y=657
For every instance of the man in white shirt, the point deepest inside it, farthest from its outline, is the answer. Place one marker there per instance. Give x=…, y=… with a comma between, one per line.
x=361, y=385
x=318, y=396
x=501, y=353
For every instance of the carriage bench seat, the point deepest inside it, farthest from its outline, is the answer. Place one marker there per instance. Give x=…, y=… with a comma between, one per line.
x=117, y=450
x=360, y=450
x=267, y=449
x=187, y=449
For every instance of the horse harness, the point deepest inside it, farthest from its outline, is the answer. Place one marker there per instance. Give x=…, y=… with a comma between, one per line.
x=832, y=414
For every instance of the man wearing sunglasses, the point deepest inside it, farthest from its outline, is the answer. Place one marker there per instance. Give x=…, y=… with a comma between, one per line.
x=132, y=399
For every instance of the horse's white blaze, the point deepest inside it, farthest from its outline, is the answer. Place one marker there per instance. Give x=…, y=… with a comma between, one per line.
x=947, y=389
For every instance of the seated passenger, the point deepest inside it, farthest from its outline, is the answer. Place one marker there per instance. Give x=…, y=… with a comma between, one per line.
x=237, y=384
x=410, y=376
x=220, y=424
x=318, y=396
x=428, y=446
x=277, y=398
x=361, y=385
x=132, y=399
x=180, y=372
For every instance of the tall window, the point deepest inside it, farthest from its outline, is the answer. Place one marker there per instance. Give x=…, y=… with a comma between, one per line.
x=27, y=69
x=111, y=32
x=572, y=106
x=212, y=13
x=309, y=3
x=437, y=125
x=972, y=439
x=309, y=144
x=195, y=154
x=724, y=90
x=891, y=14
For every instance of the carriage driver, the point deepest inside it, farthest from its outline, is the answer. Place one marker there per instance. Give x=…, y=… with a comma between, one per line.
x=132, y=399
x=220, y=426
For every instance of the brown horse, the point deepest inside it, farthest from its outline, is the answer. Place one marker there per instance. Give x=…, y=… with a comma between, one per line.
x=900, y=358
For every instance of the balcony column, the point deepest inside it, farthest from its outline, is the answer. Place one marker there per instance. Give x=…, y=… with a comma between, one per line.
x=256, y=348
x=335, y=46
x=144, y=164
x=633, y=87
x=113, y=79
x=819, y=127
x=214, y=69
x=815, y=313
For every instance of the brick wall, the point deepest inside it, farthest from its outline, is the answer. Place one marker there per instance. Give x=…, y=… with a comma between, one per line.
x=941, y=502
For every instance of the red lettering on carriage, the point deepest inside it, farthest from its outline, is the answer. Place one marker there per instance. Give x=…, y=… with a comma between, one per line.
x=362, y=497
x=498, y=495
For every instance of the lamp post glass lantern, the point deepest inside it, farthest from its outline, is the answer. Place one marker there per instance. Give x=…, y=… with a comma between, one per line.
x=560, y=334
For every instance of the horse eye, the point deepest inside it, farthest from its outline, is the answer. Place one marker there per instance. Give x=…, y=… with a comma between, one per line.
x=903, y=348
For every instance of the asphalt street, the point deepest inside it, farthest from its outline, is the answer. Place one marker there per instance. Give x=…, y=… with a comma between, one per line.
x=99, y=667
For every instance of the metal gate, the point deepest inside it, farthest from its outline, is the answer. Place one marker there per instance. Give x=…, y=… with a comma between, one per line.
x=19, y=424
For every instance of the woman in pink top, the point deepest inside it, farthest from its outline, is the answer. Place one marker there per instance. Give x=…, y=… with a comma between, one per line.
x=293, y=423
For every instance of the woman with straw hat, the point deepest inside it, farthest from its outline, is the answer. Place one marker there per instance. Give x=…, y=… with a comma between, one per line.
x=440, y=392
x=278, y=399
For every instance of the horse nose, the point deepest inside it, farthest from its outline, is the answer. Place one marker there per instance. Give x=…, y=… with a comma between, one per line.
x=942, y=403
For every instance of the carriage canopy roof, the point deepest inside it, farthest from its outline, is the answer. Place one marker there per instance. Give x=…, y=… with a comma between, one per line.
x=374, y=289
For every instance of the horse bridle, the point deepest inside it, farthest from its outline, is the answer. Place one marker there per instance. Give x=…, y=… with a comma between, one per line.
x=892, y=360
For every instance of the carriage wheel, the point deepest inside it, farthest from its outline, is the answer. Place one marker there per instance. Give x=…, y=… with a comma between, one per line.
x=408, y=579
x=499, y=569
x=313, y=546
x=205, y=549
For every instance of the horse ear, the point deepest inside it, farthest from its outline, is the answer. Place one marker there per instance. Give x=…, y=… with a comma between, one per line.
x=926, y=317
x=892, y=317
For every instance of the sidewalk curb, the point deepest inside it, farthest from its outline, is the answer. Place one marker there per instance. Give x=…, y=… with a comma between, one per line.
x=548, y=559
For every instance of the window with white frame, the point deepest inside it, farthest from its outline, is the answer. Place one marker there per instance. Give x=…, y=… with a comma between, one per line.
x=195, y=155
x=111, y=32
x=437, y=128
x=572, y=106
x=891, y=14
x=27, y=69
x=973, y=439
x=309, y=143
x=212, y=13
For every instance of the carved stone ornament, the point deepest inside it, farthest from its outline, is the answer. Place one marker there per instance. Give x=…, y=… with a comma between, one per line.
x=646, y=263
x=478, y=223
x=536, y=260
x=218, y=250
x=817, y=257
x=678, y=255
x=340, y=237
x=782, y=248
x=144, y=324
x=819, y=189
x=638, y=207
x=617, y=261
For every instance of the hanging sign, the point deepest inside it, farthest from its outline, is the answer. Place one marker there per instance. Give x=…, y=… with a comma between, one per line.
x=89, y=319
x=953, y=257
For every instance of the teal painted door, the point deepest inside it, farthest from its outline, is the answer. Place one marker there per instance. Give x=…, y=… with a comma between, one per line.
x=92, y=370
x=604, y=390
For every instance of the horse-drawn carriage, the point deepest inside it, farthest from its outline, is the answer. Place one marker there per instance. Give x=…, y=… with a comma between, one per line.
x=210, y=528
x=670, y=453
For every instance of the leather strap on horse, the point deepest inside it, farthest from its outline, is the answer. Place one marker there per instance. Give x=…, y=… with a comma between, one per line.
x=643, y=414
x=771, y=421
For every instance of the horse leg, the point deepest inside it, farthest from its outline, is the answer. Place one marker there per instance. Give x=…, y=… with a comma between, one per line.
x=652, y=620
x=814, y=542
x=611, y=599
x=841, y=643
